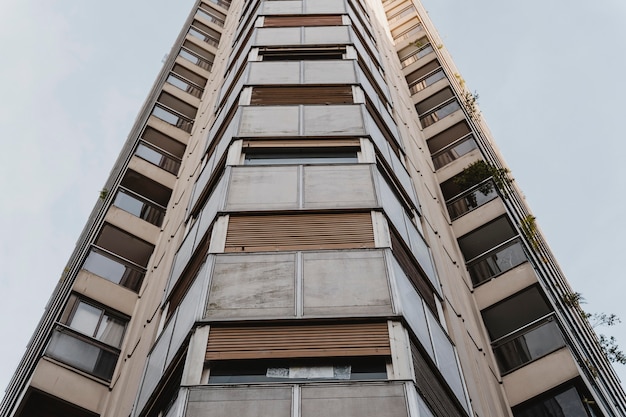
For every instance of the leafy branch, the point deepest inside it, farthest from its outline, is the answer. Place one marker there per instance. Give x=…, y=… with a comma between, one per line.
x=479, y=171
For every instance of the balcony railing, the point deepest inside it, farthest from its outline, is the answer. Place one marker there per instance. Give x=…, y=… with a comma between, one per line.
x=496, y=261
x=454, y=151
x=209, y=17
x=527, y=344
x=417, y=55
x=409, y=10
x=158, y=157
x=185, y=85
x=172, y=117
x=139, y=206
x=195, y=59
x=409, y=33
x=444, y=109
x=111, y=267
x=198, y=34
x=468, y=200
x=224, y=4
x=427, y=80
x=82, y=352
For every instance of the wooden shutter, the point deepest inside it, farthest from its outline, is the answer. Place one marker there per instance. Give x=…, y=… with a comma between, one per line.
x=333, y=340
x=337, y=94
x=408, y=265
x=303, y=20
x=299, y=232
x=431, y=385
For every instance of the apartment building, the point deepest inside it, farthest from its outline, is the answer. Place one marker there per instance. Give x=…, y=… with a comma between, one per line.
x=309, y=217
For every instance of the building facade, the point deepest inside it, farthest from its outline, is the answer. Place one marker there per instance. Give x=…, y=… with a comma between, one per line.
x=309, y=217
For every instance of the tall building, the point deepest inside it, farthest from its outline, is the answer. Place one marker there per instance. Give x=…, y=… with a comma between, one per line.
x=309, y=217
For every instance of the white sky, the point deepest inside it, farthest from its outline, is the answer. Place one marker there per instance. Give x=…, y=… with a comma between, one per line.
x=75, y=73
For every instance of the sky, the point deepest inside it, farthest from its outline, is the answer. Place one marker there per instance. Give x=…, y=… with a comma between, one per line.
x=74, y=74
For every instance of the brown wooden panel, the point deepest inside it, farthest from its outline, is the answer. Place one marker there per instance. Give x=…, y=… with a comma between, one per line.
x=299, y=232
x=301, y=143
x=303, y=20
x=433, y=389
x=298, y=341
x=408, y=265
x=337, y=94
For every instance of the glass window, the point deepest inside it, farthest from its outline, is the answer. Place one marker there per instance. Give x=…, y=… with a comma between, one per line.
x=292, y=157
x=567, y=402
x=243, y=371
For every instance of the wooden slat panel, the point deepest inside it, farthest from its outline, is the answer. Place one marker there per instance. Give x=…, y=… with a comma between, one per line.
x=299, y=232
x=337, y=94
x=408, y=265
x=301, y=143
x=439, y=397
x=298, y=341
x=303, y=20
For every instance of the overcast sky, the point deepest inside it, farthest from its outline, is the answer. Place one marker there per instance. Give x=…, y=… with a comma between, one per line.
x=550, y=76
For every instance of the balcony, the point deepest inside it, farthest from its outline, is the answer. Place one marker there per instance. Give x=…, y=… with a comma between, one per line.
x=471, y=199
x=427, y=80
x=531, y=342
x=418, y=54
x=139, y=206
x=111, y=267
x=437, y=113
x=195, y=59
x=454, y=151
x=158, y=157
x=209, y=16
x=407, y=34
x=172, y=117
x=500, y=259
x=185, y=85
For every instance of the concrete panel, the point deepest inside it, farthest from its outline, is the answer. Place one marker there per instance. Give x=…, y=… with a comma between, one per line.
x=333, y=120
x=69, y=385
x=278, y=36
x=269, y=121
x=443, y=124
x=505, y=285
x=106, y=292
x=153, y=172
x=329, y=72
x=276, y=7
x=478, y=217
x=325, y=35
x=240, y=402
x=357, y=400
x=338, y=186
x=458, y=165
x=546, y=373
x=351, y=283
x=132, y=224
x=261, y=188
x=274, y=72
x=182, y=95
x=324, y=6
x=249, y=286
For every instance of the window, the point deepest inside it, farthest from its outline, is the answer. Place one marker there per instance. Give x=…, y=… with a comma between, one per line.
x=297, y=370
x=568, y=400
x=303, y=20
x=88, y=338
x=113, y=268
x=285, y=95
x=301, y=54
x=300, y=156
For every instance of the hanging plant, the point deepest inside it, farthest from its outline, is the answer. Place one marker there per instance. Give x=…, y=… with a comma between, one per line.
x=480, y=171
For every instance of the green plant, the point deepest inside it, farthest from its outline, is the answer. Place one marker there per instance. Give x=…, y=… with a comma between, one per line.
x=470, y=100
x=103, y=193
x=479, y=171
x=611, y=349
x=528, y=226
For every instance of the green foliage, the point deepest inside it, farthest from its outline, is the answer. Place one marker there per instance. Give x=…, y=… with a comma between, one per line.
x=479, y=171
x=528, y=226
x=611, y=349
x=470, y=100
x=103, y=193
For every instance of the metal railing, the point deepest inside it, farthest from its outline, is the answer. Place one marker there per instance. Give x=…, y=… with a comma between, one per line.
x=158, y=157
x=427, y=80
x=454, y=151
x=139, y=206
x=471, y=198
x=496, y=261
x=439, y=112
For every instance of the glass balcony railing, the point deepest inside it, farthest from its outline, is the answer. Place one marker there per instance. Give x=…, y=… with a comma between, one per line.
x=195, y=59
x=527, y=344
x=500, y=259
x=82, y=353
x=409, y=33
x=185, y=85
x=209, y=17
x=113, y=268
x=427, y=80
x=417, y=55
x=444, y=109
x=158, y=157
x=172, y=117
x=471, y=199
x=454, y=151
x=203, y=37
x=139, y=206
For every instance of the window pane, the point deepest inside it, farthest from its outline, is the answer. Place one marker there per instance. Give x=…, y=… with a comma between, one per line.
x=565, y=404
x=111, y=331
x=301, y=158
x=85, y=319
